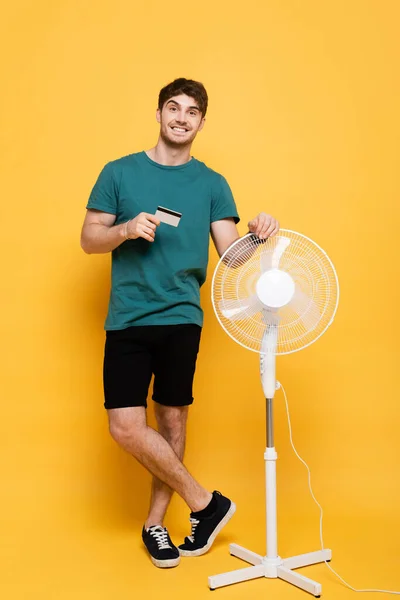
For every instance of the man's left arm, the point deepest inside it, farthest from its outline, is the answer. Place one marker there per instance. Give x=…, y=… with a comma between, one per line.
x=225, y=232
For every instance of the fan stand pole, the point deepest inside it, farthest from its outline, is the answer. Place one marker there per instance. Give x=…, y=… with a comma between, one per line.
x=271, y=565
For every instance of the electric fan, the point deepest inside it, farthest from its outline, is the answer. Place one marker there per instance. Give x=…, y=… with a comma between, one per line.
x=274, y=296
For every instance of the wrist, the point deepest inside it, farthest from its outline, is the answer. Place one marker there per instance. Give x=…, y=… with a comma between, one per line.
x=125, y=230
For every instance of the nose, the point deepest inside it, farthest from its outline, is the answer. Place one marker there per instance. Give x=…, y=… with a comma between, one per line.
x=180, y=117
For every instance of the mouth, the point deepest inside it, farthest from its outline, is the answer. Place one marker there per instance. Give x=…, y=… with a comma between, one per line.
x=179, y=130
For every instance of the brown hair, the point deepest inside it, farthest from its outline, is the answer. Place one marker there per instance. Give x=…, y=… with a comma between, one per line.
x=191, y=88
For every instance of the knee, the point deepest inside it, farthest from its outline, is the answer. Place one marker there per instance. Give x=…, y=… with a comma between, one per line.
x=172, y=423
x=120, y=433
x=127, y=435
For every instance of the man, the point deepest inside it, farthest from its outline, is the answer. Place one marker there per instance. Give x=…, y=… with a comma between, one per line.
x=154, y=319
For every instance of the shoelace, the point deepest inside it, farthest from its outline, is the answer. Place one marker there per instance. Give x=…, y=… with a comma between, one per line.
x=194, y=523
x=161, y=536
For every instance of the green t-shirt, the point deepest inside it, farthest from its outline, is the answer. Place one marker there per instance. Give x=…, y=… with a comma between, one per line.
x=158, y=283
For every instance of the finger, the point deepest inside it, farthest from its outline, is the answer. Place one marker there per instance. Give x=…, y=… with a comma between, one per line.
x=149, y=224
x=271, y=228
x=145, y=222
x=146, y=236
x=265, y=228
x=260, y=223
x=149, y=230
x=275, y=231
x=252, y=226
x=152, y=218
x=265, y=221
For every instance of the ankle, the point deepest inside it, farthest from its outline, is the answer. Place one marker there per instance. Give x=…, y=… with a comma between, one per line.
x=153, y=523
x=201, y=503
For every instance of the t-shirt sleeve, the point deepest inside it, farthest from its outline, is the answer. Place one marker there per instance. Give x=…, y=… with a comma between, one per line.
x=223, y=205
x=104, y=195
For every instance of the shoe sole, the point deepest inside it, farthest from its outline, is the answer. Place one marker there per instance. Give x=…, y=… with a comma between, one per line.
x=165, y=564
x=222, y=523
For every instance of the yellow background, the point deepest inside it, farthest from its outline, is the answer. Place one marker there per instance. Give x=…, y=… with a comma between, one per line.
x=304, y=124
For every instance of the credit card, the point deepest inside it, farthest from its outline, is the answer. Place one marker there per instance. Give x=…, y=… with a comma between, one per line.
x=168, y=216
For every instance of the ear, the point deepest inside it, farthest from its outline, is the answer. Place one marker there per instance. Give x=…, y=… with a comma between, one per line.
x=202, y=123
x=158, y=115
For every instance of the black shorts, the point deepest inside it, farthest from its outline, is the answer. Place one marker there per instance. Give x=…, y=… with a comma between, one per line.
x=132, y=355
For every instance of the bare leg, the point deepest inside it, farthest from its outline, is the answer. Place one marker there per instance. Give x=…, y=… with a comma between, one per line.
x=172, y=426
x=129, y=428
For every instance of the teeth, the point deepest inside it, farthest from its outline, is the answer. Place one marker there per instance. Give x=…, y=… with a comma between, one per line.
x=179, y=129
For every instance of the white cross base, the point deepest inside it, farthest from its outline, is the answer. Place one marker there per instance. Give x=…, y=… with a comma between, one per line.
x=272, y=568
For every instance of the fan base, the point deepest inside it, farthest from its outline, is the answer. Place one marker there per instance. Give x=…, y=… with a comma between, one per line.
x=272, y=568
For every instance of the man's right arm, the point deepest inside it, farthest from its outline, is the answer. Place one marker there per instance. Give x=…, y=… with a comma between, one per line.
x=100, y=235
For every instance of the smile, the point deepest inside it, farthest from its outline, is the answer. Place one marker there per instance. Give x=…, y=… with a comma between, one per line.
x=179, y=129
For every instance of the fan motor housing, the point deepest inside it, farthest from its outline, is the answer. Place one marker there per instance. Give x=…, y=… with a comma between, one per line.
x=275, y=288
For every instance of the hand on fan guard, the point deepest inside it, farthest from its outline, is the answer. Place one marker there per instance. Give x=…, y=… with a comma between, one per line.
x=264, y=226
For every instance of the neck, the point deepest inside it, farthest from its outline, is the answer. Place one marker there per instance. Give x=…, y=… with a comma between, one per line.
x=169, y=156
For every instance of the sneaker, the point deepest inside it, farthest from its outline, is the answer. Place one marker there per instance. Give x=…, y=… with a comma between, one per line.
x=162, y=551
x=205, y=530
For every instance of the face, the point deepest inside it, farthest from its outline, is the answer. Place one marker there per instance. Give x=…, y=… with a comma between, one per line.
x=180, y=120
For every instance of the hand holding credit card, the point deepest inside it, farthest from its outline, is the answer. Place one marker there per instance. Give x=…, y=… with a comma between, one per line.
x=144, y=224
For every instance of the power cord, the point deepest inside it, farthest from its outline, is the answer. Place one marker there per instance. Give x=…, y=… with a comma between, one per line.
x=320, y=507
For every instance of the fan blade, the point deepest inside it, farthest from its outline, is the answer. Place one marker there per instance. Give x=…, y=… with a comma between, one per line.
x=306, y=308
x=239, y=309
x=271, y=316
x=270, y=260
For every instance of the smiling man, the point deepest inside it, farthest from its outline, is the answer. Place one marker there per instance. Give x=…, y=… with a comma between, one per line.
x=155, y=210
